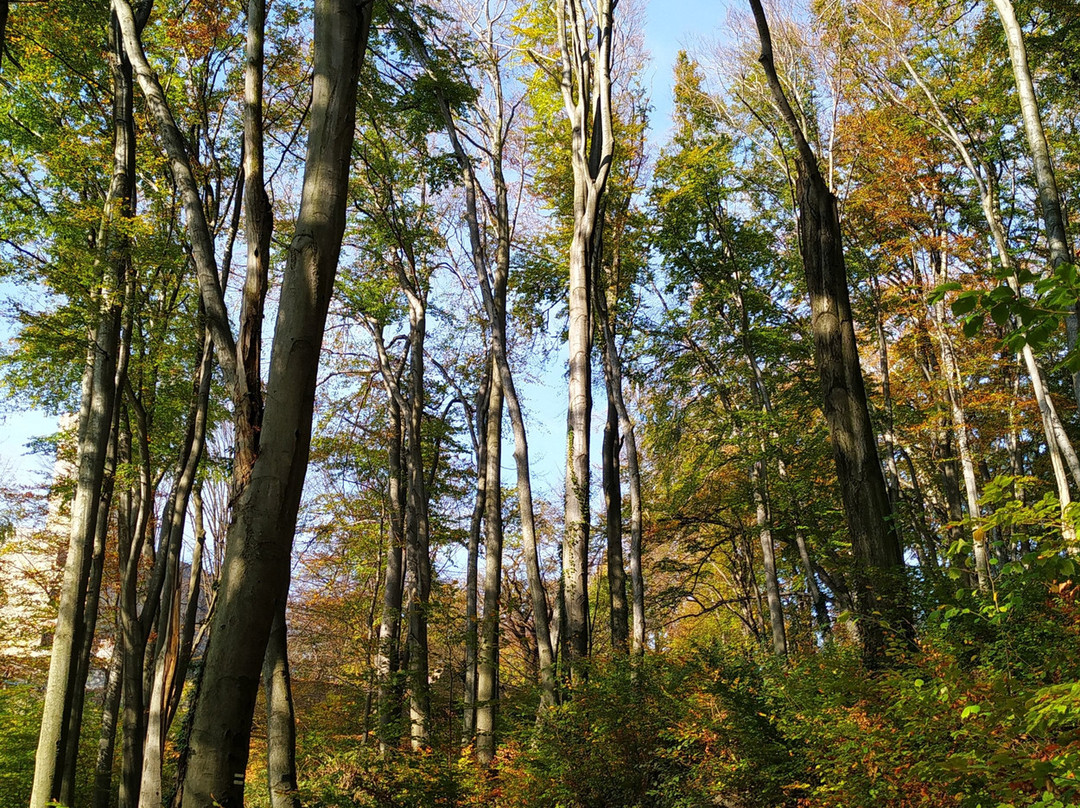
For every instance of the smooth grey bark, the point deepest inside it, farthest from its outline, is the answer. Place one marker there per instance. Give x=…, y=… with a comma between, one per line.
x=418, y=580
x=627, y=435
x=174, y=144
x=892, y=473
x=280, y=717
x=132, y=519
x=584, y=66
x=1049, y=198
x=258, y=229
x=953, y=388
x=487, y=670
x=93, y=445
x=256, y=566
x=817, y=597
x=167, y=653
x=88, y=626
x=880, y=580
x=191, y=611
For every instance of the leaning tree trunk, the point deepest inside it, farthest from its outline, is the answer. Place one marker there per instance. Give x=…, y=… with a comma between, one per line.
x=1049, y=198
x=258, y=552
x=1058, y=445
x=880, y=582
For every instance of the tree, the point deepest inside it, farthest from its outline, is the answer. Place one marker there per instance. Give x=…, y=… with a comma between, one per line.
x=880, y=585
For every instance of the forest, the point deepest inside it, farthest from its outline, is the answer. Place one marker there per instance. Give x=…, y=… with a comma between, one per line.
x=306, y=288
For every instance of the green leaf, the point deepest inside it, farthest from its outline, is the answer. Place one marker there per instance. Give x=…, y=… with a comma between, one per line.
x=965, y=303
x=973, y=325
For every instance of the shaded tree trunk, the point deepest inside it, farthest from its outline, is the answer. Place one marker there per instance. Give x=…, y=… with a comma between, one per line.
x=880, y=583
x=387, y=660
x=280, y=718
x=618, y=613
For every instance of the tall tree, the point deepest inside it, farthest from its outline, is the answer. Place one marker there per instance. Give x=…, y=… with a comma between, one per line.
x=585, y=48
x=880, y=582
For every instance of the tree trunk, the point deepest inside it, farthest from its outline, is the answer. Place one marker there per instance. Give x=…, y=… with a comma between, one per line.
x=85, y=647
x=1049, y=199
x=167, y=653
x=951, y=371
x=93, y=438
x=387, y=660
x=472, y=559
x=880, y=583
x=759, y=479
x=257, y=557
x=280, y=718
x=110, y=710
x=487, y=676
x=1058, y=445
x=618, y=613
x=585, y=81
x=493, y=291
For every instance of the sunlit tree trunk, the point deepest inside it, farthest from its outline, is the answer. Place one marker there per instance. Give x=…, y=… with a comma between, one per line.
x=487, y=678
x=1058, y=445
x=1049, y=198
x=169, y=629
x=585, y=58
x=493, y=288
x=953, y=384
x=93, y=437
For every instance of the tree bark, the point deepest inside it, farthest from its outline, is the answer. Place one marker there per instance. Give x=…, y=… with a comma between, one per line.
x=493, y=287
x=110, y=711
x=387, y=660
x=473, y=556
x=1049, y=198
x=880, y=583
x=257, y=557
x=759, y=480
x=585, y=82
x=487, y=676
x=280, y=718
x=618, y=613
x=1058, y=445
x=93, y=437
